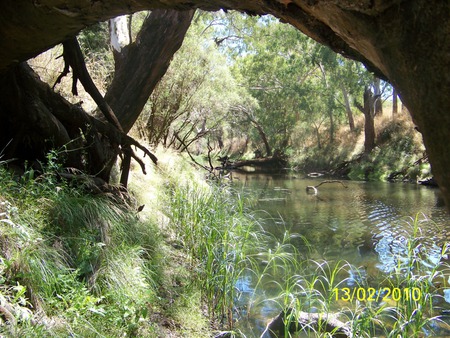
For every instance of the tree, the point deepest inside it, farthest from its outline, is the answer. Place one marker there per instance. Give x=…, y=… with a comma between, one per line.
x=94, y=149
x=377, y=92
x=348, y=109
x=276, y=74
x=394, y=103
x=196, y=95
x=369, y=125
x=409, y=40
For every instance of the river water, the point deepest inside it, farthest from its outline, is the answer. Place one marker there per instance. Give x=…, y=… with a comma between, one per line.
x=363, y=223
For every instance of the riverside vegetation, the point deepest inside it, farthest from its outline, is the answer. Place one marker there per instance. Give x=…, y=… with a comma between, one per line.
x=84, y=265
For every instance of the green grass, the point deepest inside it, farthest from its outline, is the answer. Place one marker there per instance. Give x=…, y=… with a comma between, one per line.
x=76, y=264
x=90, y=266
x=218, y=237
x=317, y=287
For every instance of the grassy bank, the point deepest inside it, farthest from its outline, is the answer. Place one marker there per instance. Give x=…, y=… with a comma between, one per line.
x=83, y=265
x=399, y=153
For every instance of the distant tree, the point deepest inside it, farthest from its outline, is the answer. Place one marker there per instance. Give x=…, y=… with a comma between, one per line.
x=196, y=96
x=377, y=92
x=276, y=74
x=368, y=109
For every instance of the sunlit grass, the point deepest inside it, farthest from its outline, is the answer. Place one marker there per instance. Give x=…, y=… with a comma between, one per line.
x=403, y=303
x=83, y=265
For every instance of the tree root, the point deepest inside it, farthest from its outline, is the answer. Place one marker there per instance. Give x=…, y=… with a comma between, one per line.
x=73, y=57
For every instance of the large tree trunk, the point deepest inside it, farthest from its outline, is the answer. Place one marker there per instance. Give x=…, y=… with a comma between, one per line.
x=38, y=120
x=369, y=124
x=144, y=62
x=403, y=41
x=30, y=100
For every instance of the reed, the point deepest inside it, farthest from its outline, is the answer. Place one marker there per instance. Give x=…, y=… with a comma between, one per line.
x=415, y=284
x=214, y=229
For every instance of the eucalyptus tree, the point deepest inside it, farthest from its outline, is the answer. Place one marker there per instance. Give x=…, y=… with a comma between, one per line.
x=275, y=73
x=195, y=97
x=296, y=82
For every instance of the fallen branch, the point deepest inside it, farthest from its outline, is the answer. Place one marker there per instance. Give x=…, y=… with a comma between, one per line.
x=258, y=162
x=300, y=320
x=311, y=188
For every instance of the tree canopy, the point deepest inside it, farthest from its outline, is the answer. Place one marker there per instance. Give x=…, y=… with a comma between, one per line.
x=398, y=40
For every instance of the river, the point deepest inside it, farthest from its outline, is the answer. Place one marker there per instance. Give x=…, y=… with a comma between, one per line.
x=363, y=223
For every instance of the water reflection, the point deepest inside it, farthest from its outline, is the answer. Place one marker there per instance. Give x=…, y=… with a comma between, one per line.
x=366, y=224
x=361, y=222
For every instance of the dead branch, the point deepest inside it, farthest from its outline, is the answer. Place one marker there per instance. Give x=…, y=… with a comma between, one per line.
x=77, y=116
x=73, y=57
x=313, y=189
x=187, y=150
x=209, y=155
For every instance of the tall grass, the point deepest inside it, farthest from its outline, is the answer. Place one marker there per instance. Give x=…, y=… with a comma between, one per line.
x=219, y=236
x=419, y=278
x=72, y=263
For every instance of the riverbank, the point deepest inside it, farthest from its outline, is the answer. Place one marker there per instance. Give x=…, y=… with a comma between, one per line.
x=177, y=257
x=103, y=265
x=399, y=154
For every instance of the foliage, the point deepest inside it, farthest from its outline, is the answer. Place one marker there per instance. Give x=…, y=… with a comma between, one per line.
x=400, y=154
x=194, y=98
x=85, y=263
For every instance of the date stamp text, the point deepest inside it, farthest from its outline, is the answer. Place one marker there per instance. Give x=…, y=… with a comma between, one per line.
x=376, y=295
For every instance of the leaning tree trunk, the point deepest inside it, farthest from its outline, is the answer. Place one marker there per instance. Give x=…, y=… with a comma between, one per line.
x=140, y=65
x=37, y=119
x=144, y=62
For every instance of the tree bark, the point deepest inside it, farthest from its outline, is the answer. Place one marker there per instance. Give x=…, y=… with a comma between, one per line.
x=348, y=109
x=369, y=125
x=40, y=120
x=144, y=63
x=377, y=93
x=394, y=103
x=120, y=36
